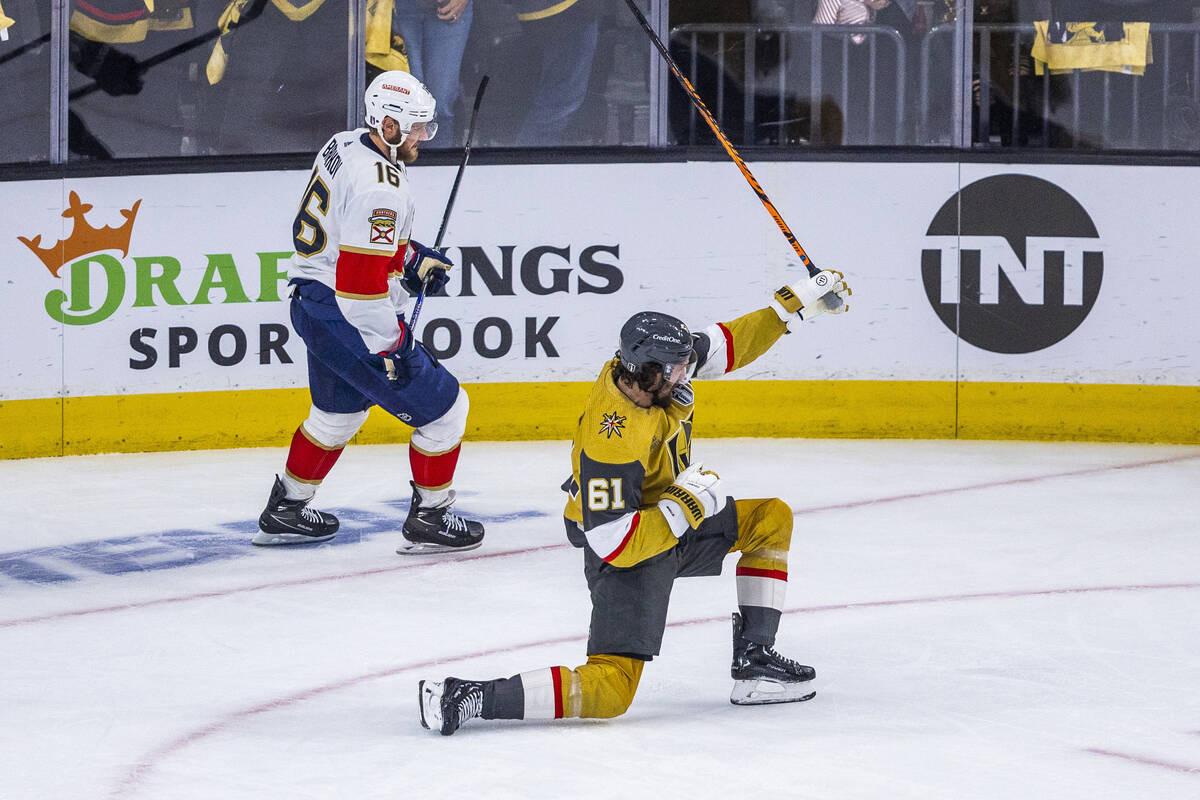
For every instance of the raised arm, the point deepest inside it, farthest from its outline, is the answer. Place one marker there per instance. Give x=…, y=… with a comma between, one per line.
x=725, y=346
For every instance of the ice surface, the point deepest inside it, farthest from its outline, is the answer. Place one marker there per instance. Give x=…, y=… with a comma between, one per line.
x=987, y=620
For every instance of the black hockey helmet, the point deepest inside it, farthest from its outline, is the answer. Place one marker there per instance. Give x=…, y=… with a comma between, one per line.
x=653, y=337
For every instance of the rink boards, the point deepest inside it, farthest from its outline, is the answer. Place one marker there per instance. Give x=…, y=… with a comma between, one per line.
x=990, y=301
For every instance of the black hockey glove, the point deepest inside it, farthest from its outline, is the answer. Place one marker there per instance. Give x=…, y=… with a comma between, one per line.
x=426, y=267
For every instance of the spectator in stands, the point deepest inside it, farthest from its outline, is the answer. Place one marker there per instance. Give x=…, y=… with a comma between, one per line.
x=561, y=39
x=866, y=71
x=863, y=12
x=1014, y=96
x=435, y=38
x=845, y=12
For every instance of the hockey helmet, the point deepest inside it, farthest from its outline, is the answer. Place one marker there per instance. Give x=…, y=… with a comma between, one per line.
x=405, y=99
x=653, y=337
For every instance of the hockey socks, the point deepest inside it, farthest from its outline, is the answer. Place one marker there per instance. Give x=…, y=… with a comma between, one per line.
x=504, y=698
x=432, y=472
x=600, y=689
x=760, y=594
x=539, y=694
x=308, y=463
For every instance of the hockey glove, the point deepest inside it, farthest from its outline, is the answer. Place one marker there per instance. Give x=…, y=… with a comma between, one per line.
x=425, y=267
x=388, y=362
x=694, y=496
x=824, y=292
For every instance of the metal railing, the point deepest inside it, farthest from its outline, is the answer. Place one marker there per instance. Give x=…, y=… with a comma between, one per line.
x=799, y=75
x=1083, y=110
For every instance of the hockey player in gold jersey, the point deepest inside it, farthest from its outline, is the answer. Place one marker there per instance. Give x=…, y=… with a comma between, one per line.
x=645, y=514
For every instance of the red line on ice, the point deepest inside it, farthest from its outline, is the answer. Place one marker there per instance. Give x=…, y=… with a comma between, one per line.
x=129, y=783
x=416, y=565
x=184, y=598
x=1150, y=762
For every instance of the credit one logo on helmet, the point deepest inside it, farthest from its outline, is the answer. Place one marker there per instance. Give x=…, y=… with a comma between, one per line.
x=1021, y=273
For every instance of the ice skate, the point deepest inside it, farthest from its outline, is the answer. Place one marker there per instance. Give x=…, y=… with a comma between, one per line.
x=437, y=529
x=286, y=521
x=446, y=705
x=762, y=676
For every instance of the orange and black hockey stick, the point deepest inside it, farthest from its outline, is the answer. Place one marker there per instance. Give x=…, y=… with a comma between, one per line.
x=723, y=139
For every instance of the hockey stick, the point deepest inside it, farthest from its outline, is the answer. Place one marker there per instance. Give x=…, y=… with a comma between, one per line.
x=723, y=139
x=412, y=325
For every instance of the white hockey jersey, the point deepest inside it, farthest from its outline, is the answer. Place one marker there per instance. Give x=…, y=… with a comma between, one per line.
x=352, y=231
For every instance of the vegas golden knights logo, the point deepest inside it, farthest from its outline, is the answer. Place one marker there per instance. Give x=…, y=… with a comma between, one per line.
x=679, y=445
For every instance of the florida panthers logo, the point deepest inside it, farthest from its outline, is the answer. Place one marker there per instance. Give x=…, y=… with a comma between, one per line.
x=383, y=226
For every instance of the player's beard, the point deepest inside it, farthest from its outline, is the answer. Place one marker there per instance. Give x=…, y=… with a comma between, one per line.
x=664, y=395
x=406, y=148
x=407, y=152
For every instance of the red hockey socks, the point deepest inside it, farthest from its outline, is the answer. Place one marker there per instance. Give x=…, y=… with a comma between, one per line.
x=433, y=471
x=309, y=461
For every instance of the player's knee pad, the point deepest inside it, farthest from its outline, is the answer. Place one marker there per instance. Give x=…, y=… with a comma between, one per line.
x=764, y=533
x=777, y=524
x=331, y=429
x=608, y=684
x=445, y=432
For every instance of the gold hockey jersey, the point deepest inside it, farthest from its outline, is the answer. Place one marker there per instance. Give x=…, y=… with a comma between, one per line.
x=624, y=456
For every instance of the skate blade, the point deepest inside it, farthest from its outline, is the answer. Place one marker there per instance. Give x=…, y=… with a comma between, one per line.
x=428, y=706
x=408, y=548
x=761, y=693
x=262, y=538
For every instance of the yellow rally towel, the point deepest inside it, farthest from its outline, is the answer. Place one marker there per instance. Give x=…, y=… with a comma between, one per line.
x=385, y=50
x=5, y=23
x=232, y=15
x=1085, y=48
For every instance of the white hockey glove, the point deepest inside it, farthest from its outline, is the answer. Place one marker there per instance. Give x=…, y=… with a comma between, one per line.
x=824, y=292
x=695, y=495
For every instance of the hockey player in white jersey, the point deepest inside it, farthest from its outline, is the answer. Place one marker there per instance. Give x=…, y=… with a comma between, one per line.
x=351, y=277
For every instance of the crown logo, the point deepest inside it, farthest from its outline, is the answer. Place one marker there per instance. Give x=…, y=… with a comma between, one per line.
x=84, y=239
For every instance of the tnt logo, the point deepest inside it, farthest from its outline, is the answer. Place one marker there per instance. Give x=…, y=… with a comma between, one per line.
x=1024, y=270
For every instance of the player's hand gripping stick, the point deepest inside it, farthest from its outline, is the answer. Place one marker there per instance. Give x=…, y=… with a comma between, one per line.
x=825, y=292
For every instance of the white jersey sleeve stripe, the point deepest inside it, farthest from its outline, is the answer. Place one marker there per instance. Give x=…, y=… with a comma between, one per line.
x=719, y=356
x=375, y=320
x=609, y=539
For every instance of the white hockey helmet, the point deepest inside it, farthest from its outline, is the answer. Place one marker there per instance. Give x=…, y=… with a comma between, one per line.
x=405, y=99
